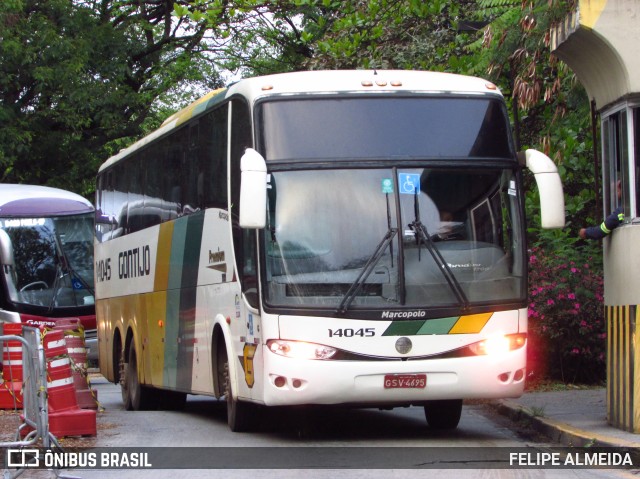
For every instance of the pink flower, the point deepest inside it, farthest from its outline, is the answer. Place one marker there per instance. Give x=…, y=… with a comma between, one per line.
x=571, y=296
x=550, y=302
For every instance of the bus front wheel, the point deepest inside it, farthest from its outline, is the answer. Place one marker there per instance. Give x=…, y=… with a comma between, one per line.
x=238, y=412
x=443, y=414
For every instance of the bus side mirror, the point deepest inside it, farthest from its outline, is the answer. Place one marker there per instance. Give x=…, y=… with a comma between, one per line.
x=549, y=185
x=253, y=190
x=6, y=249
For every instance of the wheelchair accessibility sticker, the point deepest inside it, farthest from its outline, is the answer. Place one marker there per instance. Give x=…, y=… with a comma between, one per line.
x=409, y=183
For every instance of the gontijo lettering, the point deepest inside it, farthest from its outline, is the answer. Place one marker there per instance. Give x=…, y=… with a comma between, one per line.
x=134, y=263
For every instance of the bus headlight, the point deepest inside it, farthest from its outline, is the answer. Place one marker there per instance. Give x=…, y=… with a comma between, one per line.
x=300, y=349
x=498, y=344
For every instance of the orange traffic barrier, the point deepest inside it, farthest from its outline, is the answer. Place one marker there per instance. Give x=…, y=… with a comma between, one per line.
x=74, y=338
x=12, y=375
x=65, y=417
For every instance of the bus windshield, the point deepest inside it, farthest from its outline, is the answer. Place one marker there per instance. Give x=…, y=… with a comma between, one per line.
x=386, y=127
x=53, y=261
x=394, y=237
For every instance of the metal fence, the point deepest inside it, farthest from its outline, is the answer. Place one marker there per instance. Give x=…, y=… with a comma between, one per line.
x=34, y=427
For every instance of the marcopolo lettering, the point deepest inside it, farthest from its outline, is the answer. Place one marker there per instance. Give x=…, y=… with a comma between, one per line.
x=134, y=263
x=403, y=314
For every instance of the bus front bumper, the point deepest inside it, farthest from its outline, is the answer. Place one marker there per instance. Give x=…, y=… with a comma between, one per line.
x=362, y=383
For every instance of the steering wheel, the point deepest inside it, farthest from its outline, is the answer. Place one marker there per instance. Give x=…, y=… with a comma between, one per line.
x=39, y=285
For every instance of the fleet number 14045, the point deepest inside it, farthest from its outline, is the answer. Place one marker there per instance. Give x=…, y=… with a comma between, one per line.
x=352, y=333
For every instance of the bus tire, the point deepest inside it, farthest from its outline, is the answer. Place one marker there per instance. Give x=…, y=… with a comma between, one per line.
x=238, y=412
x=443, y=414
x=135, y=396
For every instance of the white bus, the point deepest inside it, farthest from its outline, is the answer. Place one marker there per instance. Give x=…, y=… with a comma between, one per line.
x=46, y=253
x=350, y=238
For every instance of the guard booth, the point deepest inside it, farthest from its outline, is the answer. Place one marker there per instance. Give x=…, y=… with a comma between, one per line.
x=599, y=42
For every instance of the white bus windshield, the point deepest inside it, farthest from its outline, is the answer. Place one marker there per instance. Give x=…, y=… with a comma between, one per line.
x=387, y=127
x=326, y=227
x=52, y=261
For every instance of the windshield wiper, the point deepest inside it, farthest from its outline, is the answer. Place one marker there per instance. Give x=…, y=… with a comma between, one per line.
x=356, y=286
x=422, y=236
x=64, y=268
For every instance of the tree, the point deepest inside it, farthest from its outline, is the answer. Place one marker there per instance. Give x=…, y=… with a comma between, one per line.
x=551, y=110
x=566, y=325
x=398, y=34
x=77, y=75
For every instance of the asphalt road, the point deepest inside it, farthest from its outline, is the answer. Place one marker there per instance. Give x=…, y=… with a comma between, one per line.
x=196, y=443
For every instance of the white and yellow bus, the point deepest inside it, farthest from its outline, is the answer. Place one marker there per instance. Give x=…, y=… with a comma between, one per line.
x=352, y=238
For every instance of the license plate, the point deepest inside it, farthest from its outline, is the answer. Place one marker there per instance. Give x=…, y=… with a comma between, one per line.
x=405, y=381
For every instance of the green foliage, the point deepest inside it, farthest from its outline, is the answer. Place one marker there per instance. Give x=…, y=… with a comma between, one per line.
x=73, y=79
x=403, y=34
x=566, y=316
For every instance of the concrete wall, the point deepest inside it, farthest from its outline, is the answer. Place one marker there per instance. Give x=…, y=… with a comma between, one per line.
x=600, y=42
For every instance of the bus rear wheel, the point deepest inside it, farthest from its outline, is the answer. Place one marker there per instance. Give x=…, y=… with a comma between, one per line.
x=135, y=396
x=443, y=414
x=239, y=413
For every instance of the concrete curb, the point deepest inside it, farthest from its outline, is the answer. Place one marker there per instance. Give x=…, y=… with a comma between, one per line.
x=558, y=431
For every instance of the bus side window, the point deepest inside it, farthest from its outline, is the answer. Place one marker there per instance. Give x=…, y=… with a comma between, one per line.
x=135, y=186
x=100, y=217
x=172, y=189
x=212, y=159
x=120, y=196
x=190, y=171
x=107, y=221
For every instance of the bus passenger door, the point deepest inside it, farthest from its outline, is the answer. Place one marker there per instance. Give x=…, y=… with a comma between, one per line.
x=251, y=326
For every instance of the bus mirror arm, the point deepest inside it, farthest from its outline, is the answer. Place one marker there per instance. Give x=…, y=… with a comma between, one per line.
x=547, y=178
x=253, y=190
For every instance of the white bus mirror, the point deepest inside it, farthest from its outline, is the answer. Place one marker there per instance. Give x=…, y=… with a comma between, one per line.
x=253, y=190
x=6, y=249
x=547, y=178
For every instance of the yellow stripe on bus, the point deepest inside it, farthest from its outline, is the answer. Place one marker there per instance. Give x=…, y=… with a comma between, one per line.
x=156, y=312
x=470, y=324
x=163, y=256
